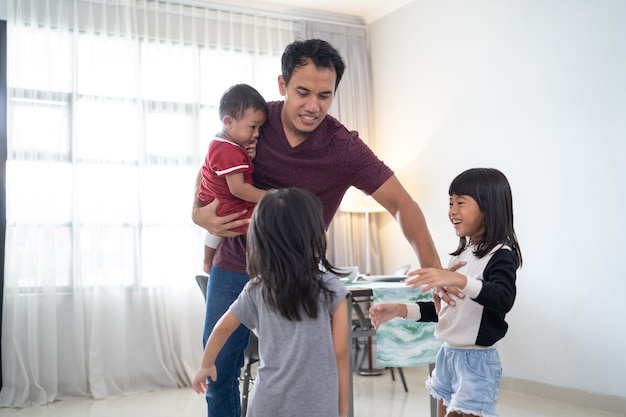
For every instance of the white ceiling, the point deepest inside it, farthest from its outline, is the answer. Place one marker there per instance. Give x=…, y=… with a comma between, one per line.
x=368, y=10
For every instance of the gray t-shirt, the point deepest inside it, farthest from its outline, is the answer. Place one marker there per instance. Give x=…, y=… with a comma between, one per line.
x=297, y=374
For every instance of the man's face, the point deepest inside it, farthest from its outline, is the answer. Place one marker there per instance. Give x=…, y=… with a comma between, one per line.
x=308, y=97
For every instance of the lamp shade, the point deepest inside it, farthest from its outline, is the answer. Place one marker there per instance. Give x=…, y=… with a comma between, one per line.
x=356, y=201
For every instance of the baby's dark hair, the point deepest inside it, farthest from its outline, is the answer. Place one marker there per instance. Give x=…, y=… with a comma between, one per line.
x=239, y=98
x=286, y=245
x=320, y=52
x=491, y=190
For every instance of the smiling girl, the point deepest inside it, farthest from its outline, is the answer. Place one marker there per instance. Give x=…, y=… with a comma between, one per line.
x=467, y=374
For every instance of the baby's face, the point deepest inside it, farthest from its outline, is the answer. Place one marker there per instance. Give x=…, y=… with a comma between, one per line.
x=245, y=131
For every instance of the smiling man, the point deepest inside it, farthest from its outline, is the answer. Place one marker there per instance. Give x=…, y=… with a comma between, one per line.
x=300, y=146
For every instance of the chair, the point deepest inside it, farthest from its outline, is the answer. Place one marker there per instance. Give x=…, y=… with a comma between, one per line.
x=401, y=372
x=251, y=354
x=403, y=270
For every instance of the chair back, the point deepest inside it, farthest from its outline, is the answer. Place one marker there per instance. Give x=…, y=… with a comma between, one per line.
x=202, y=281
x=402, y=270
x=252, y=351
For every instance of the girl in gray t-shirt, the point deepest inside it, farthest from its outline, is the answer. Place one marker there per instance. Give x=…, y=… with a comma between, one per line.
x=300, y=313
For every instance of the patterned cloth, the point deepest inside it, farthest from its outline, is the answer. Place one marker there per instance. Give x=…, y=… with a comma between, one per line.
x=402, y=343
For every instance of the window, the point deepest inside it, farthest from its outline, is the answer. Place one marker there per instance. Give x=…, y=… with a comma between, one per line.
x=107, y=132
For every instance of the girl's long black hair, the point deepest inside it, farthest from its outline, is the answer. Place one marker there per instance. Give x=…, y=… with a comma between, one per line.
x=286, y=245
x=491, y=190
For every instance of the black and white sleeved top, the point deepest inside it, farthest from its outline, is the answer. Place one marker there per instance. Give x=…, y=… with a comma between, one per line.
x=478, y=319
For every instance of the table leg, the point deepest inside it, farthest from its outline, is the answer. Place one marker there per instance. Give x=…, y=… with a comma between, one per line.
x=433, y=401
x=351, y=338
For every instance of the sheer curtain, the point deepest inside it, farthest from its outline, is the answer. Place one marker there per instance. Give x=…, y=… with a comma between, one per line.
x=353, y=107
x=111, y=105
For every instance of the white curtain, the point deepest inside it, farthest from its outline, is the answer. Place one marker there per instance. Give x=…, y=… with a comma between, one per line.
x=353, y=107
x=111, y=105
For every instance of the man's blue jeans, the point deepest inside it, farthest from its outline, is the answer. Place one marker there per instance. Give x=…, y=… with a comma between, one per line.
x=222, y=396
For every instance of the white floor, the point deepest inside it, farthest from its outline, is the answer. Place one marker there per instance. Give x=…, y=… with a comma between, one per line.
x=374, y=396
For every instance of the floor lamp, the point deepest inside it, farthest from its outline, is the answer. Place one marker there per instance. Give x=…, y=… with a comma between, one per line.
x=355, y=201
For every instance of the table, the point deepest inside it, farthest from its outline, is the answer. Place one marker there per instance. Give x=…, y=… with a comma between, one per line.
x=400, y=343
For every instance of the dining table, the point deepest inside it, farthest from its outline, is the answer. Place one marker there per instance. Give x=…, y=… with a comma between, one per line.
x=400, y=343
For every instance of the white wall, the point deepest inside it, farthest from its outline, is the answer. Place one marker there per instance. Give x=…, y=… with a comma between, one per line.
x=538, y=90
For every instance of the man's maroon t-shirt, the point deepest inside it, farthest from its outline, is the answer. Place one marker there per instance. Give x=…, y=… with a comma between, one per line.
x=327, y=163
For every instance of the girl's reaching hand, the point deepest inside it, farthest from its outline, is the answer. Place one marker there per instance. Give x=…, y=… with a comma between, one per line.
x=381, y=313
x=199, y=383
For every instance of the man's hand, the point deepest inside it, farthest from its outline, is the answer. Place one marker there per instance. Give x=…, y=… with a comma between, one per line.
x=207, y=218
x=442, y=282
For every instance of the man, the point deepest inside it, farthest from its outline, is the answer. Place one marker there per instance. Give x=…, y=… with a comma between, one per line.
x=300, y=146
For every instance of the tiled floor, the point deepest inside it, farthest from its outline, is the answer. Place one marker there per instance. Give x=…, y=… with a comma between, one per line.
x=374, y=396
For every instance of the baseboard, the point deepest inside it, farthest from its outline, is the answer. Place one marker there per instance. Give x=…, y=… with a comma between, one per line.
x=610, y=403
